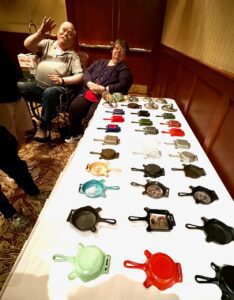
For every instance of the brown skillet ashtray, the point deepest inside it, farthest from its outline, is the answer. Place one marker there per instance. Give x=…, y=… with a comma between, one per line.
x=132, y=105
x=151, y=170
x=109, y=140
x=191, y=171
x=107, y=154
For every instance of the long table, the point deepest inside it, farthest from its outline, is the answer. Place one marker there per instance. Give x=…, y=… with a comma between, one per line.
x=36, y=275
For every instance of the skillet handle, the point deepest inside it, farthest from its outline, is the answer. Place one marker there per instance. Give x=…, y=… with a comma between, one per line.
x=81, y=189
x=133, y=265
x=60, y=257
x=191, y=226
x=135, y=169
x=204, y=279
x=109, y=221
x=113, y=187
x=134, y=218
x=137, y=184
x=184, y=194
x=177, y=169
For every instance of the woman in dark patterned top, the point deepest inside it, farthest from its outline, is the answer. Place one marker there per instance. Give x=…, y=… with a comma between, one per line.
x=103, y=75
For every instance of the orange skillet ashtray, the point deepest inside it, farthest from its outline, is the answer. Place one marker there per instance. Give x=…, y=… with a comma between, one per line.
x=161, y=271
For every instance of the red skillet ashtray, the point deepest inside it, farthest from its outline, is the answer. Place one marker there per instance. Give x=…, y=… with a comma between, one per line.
x=116, y=118
x=161, y=271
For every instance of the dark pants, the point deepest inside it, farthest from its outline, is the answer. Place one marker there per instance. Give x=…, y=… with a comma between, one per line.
x=49, y=98
x=5, y=207
x=14, y=167
x=18, y=170
x=80, y=112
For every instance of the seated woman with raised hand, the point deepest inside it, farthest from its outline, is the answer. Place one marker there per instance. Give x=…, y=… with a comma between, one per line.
x=103, y=75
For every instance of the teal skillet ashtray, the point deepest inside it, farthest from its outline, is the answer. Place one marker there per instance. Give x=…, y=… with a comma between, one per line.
x=95, y=188
x=89, y=263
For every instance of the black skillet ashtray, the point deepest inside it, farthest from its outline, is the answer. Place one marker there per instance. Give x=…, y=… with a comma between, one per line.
x=157, y=219
x=215, y=230
x=151, y=170
x=85, y=218
x=201, y=195
x=153, y=189
x=224, y=278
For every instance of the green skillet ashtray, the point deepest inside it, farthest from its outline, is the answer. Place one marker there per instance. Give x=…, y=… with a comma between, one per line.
x=89, y=263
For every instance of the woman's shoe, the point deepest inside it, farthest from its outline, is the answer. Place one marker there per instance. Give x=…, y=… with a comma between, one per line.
x=73, y=139
x=42, y=135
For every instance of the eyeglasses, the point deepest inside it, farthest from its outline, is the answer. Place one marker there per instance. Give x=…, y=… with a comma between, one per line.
x=117, y=48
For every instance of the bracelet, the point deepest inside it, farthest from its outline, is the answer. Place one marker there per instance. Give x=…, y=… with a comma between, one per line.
x=63, y=82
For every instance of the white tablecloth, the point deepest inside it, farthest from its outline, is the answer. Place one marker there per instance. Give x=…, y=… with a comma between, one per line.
x=36, y=276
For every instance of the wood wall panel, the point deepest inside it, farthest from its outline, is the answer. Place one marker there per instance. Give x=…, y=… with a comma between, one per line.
x=185, y=86
x=205, y=96
x=202, y=108
x=222, y=151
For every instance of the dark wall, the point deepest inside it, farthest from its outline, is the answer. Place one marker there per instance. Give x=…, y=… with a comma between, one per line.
x=206, y=98
x=99, y=23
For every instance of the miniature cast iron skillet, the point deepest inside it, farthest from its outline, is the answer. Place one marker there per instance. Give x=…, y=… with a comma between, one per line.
x=201, y=194
x=85, y=218
x=153, y=189
x=215, y=230
x=172, y=123
x=167, y=116
x=157, y=219
x=117, y=111
x=151, y=105
x=161, y=271
x=175, y=132
x=89, y=263
x=224, y=279
x=144, y=122
x=191, y=171
x=109, y=140
x=185, y=156
x=149, y=130
x=169, y=107
x=111, y=128
x=115, y=119
x=95, y=188
x=151, y=170
x=132, y=105
x=100, y=168
x=179, y=144
x=142, y=113
x=107, y=154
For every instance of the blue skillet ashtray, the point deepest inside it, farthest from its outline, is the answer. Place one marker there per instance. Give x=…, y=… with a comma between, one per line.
x=89, y=263
x=95, y=188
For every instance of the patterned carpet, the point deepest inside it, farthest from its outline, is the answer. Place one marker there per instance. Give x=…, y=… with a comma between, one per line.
x=45, y=162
